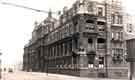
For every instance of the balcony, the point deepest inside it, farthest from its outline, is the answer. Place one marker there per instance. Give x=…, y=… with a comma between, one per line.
x=117, y=58
x=101, y=28
x=117, y=40
x=90, y=29
x=101, y=46
x=117, y=26
x=102, y=34
x=128, y=59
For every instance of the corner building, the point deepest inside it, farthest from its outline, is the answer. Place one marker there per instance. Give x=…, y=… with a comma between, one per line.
x=87, y=40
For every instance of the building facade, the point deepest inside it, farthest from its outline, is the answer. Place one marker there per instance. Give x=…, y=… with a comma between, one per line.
x=87, y=40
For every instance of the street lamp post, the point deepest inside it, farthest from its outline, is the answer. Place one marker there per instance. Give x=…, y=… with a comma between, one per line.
x=47, y=60
x=0, y=70
x=0, y=67
x=106, y=51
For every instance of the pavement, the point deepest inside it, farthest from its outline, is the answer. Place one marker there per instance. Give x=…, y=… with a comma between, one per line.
x=20, y=75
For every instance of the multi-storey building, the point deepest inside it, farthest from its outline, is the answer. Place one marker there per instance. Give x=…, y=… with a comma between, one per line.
x=87, y=40
x=129, y=26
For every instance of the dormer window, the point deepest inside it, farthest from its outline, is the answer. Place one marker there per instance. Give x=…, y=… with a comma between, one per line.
x=100, y=11
x=90, y=7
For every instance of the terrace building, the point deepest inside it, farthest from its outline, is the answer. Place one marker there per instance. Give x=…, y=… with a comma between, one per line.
x=87, y=40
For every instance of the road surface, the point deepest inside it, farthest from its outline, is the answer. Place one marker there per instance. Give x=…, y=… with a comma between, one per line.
x=19, y=75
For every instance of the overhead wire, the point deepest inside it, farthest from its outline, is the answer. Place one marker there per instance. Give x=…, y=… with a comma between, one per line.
x=25, y=7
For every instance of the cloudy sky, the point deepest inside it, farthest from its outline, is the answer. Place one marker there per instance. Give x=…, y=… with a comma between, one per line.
x=16, y=24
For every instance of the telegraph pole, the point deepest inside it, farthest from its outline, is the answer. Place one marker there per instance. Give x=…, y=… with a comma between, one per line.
x=106, y=67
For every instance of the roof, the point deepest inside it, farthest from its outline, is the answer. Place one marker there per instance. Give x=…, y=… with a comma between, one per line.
x=49, y=18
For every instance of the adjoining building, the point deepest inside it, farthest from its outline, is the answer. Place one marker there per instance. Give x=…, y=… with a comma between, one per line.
x=129, y=23
x=87, y=40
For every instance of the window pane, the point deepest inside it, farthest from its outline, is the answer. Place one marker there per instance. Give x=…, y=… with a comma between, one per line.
x=90, y=41
x=90, y=21
x=101, y=60
x=113, y=19
x=101, y=40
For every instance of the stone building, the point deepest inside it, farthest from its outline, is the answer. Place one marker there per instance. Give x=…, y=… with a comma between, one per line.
x=129, y=23
x=87, y=40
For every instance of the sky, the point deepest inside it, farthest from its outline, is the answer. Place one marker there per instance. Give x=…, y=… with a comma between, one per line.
x=16, y=24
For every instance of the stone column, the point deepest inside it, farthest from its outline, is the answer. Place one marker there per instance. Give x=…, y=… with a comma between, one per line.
x=73, y=49
x=42, y=59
